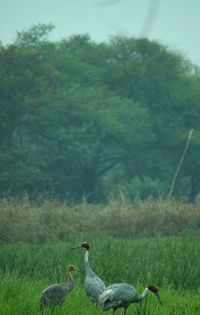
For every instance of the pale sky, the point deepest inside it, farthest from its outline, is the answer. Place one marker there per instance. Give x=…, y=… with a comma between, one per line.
x=175, y=23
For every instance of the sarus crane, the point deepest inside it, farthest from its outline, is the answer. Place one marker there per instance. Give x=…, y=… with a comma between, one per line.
x=122, y=295
x=93, y=285
x=56, y=294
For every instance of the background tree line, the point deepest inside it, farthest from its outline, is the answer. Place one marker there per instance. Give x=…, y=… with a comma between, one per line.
x=84, y=119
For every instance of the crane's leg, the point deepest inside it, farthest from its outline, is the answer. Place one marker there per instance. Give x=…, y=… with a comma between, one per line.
x=125, y=309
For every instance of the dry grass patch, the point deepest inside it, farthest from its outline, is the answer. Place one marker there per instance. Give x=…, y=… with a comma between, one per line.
x=50, y=221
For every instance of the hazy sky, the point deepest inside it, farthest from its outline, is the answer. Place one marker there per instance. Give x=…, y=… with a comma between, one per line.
x=173, y=22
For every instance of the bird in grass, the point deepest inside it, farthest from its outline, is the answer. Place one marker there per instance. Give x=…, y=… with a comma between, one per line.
x=56, y=294
x=122, y=295
x=93, y=285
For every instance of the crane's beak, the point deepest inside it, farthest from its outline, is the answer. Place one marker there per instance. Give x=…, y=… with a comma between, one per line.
x=158, y=297
x=76, y=247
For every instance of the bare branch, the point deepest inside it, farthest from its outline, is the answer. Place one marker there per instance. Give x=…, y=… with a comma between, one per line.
x=168, y=204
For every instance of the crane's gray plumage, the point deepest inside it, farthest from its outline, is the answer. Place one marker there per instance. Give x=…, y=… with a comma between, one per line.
x=56, y=293
x=122, y=295
x=93, y=285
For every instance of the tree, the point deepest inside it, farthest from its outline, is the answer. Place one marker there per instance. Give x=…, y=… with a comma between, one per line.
x=79, y=118
x=34, y=36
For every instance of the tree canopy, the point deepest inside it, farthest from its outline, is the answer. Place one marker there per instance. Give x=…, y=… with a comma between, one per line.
x=84, y=119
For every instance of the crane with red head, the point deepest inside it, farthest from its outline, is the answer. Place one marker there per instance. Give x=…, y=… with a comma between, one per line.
x=121, y=295
x=93, y=285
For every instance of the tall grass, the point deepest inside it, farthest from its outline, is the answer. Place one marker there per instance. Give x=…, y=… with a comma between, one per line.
x=36, y=242
x=171, y=262
x=52, y=221
x=21, y=297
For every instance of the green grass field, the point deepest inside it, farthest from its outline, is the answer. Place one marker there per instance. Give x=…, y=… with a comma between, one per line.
x=171, y=263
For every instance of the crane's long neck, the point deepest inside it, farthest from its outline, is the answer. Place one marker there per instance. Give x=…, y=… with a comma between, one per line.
x=70, y=280
x=88, y=269
x=141, y=297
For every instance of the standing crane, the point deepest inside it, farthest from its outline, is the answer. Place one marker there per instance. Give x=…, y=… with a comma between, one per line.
x=122, y=295
x=56, y=293
x=93, y=285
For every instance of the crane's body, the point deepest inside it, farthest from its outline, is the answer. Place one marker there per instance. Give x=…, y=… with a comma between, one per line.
x=122, y=295
x=55, y=294
x=93, y=285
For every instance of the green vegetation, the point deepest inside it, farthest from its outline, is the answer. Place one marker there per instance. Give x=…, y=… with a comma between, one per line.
x=94, y=120
x=90, y=138
x=171, y=263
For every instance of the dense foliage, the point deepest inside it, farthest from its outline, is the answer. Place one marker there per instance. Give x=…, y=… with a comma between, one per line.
x=84, y=119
